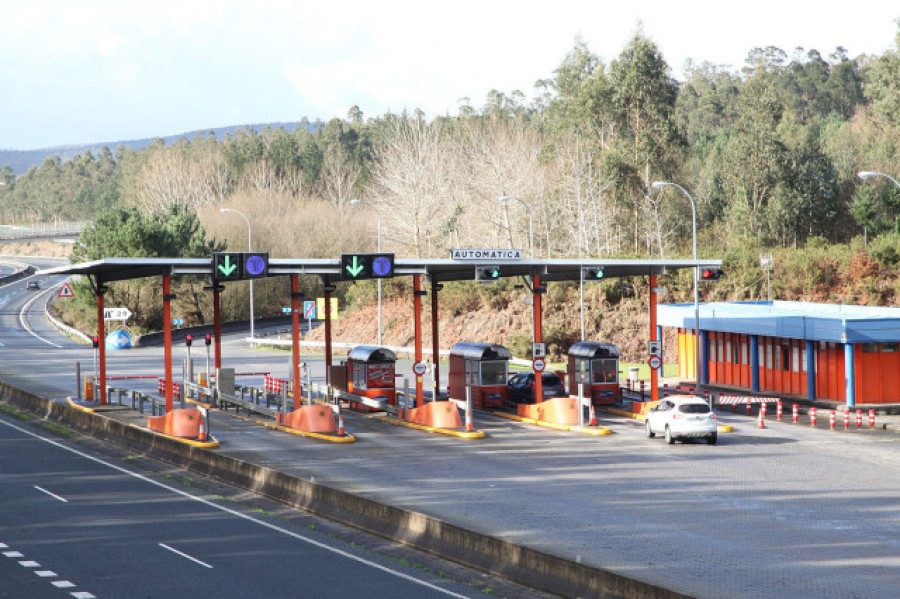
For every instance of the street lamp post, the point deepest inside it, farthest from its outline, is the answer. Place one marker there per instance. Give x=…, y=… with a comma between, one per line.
x=661, y=185
x=378, y=224
x=506, y=199
x=249, y=249
x=869, y=174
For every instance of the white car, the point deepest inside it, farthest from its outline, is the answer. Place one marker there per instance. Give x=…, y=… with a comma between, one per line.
x=683, y=417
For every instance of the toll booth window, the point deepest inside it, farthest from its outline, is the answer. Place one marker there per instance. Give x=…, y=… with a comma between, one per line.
x=795, y=359
x=471, y=372
x=380, y=376
x=889, y=347
x=870, y=348
x=582, y=371
x=359, y=376
x=494, y=372
x=605, y=371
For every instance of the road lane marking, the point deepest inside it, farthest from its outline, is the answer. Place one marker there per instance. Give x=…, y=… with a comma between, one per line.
x=185, y=555
x=53, y=495
x=238, y=514
x=46, y=573
x=63, y=584
x=29, y=564
x=25, y=324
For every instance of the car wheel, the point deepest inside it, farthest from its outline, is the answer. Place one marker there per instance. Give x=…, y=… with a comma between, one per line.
x=650, y=433
x=669, y=438
x=712, y=439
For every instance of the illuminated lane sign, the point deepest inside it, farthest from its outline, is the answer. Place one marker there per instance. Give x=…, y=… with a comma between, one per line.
x=256, y=265
x=234, y=266
x=355, y=267
x=486, y=255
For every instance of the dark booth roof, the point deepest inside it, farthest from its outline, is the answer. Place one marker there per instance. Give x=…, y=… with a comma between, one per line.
x=480, y=351
x=371, y=354
x=594, y=349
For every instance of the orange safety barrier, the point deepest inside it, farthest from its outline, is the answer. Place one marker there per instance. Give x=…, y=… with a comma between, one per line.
x=183, y=422
x=437, y=414
x=559, y=410
x=643, y=407
x=311, y=419
x=275, y=385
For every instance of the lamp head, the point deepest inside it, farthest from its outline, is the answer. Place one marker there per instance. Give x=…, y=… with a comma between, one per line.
x=659, y=184
x=355, y=202
x=224, y=210
x=505, y=198
x=867, y=174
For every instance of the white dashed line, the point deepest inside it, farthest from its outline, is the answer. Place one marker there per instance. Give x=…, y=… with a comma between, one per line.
x=53, y=495
x=185, y=555
x=29, y=564
x=13, y=554
x=82, y=595
x=63, y=584
x=60, y=584
x=46, y=573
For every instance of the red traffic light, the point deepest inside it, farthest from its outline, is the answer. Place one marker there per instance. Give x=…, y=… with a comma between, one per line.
x=710, y=274
x=96, y=342
x=209, y=340
x=188, y=339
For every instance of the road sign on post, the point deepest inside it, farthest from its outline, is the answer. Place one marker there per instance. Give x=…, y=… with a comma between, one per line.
x=539, y=364
x=309, y=309
x=65, y=290
x=116, y=314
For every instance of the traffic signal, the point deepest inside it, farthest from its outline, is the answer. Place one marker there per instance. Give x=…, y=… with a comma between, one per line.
x=711, y=273
x=227, y=266
x=592, y=273
x=355, y=267
x=188, y=339
x=209, y=340
x=255, y=265
x=487, y=274
x=96, y=342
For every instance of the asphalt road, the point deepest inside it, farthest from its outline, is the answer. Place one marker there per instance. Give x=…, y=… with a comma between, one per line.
x=784, y=511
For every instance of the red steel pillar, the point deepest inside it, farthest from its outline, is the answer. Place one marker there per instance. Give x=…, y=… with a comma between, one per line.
x=167, y=340
x=654, y=374
x=100, y=386
x=217, y=325
x=417, y=325
x=295, y=311
x=435, y=346
x=538, y=336
x=327, y=293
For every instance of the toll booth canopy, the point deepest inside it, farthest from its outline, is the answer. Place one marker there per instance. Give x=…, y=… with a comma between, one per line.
x=595, y=366
x=371, y=371
x=481, y=367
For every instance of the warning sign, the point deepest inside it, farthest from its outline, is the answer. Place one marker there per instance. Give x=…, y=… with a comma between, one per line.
x=65, y=291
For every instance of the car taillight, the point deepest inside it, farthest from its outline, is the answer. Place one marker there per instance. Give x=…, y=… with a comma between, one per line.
x=712, y=415
x=677, y=415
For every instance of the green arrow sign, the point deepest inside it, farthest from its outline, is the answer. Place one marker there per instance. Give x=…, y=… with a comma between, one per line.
x=355, y=267
x=227, y=268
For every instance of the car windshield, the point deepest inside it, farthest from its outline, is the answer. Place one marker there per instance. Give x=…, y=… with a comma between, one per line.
x=693, y=408
x=551, y=379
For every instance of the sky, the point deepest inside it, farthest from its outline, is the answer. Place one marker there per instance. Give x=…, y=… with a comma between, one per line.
x=88, y=71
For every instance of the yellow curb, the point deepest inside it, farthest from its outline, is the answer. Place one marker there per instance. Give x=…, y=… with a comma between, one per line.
x=725, y=428
x=625, y=413
x=432, y=429
x=602, y=430
x=203, y=444
x=97, y=408
x=348, y=438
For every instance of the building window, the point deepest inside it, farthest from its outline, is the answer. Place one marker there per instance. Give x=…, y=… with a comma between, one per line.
x=889, y=347
x=769, y=355
x=796, y=359
x=776, y=352
x=727, y=352
x=785, y=358
x=744, y=352
x=869, y=348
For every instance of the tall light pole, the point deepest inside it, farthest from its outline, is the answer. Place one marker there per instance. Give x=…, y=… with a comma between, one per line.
x=869, y=174
x=378, y=224
x=249, y=249
x=504, y=200
x=661, y=185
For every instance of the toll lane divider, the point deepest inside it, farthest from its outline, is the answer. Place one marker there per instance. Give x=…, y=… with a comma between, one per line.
x=531, y=567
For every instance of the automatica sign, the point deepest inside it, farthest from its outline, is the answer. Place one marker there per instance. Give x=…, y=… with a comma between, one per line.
x=486, y=255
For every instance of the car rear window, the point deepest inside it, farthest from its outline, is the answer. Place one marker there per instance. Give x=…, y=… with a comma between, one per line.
x=693, y=408
x=551, y=379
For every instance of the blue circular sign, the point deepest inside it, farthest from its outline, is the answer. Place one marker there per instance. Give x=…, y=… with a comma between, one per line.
x=118, y=340
x=381, y=266
x=255, y=265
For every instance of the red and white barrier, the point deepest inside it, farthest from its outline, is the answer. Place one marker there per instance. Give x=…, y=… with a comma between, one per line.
x=812, y=416
x=778, y=411
x=831, y=420
x=176, y=388
x=872, y=418
x=795, y=413
x=275, y=385
x=846, y=419
x=858, y=418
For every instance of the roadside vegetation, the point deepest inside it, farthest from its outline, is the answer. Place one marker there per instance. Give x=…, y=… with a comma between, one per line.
x=769, y=152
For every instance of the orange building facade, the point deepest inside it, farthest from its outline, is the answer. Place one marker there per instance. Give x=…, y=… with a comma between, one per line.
x=820, y=351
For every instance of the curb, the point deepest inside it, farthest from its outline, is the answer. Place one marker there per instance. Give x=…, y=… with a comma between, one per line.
x=524, y=565
x=585, y=430
x=432, y=429
x=348, y=438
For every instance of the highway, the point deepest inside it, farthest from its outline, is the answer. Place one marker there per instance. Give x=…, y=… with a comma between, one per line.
x=784, y=511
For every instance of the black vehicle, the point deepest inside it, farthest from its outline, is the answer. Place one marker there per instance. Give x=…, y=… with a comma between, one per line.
x=521, y=387
x=32, y=285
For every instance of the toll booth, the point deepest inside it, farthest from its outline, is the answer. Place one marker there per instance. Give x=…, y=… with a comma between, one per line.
x=370, y=373
x=596, y=366
x=484, y=369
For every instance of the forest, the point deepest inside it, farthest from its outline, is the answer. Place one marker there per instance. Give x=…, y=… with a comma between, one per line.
x=769, y=154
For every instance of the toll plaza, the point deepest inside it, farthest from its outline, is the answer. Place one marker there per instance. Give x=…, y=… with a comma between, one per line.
x=479, y=371
x=595, y=367
x=370, y=371
x=484, y=265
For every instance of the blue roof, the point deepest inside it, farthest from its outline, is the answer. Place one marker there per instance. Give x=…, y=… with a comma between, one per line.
x=791, y=320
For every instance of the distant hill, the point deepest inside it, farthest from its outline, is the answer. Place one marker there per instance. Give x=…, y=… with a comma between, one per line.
x=21, y=160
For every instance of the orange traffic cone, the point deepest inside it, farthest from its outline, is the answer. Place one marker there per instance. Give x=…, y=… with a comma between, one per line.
x=341, y=430
x=201, y=436
x=593, y=421
x=760, y=423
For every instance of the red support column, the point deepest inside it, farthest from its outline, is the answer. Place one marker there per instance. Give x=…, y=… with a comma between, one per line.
x=295, y=311
x=167, y=340
x=654, y=374
x=327, y=293
x=435, y=346
x=538, y=336
x=417, y=317
x=217, y=326
x=100, y=386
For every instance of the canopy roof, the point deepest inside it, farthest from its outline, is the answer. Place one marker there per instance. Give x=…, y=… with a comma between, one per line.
x=371, y=353
x=480, y=351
